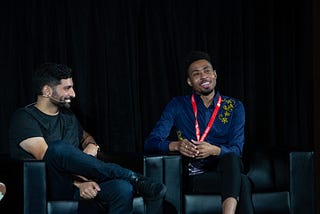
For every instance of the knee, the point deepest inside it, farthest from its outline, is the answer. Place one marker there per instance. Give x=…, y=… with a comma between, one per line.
x=231, y=159
x=56, y=146
x=230, y=156
x=116, y=196
x=55, y=150
x=117, y=190
x=124, y=189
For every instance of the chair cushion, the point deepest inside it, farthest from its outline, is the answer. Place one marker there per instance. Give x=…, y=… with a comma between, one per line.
x=71, y=207
x=271, y=202
x=264, y=203
x=62, y=207
x=202, y=204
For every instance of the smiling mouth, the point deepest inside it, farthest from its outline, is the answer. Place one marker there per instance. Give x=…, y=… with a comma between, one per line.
x=205, y=84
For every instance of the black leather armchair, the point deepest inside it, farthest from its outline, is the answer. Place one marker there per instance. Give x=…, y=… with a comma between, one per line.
x=283, y=183
x=27, y=190
x=27, y=185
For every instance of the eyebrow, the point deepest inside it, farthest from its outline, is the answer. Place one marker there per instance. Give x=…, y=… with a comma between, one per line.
x=68, y=86
x=208, y=66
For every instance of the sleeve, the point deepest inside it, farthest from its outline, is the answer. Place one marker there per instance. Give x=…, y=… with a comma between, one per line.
x=23, y=126
x=236, y=132
x=157, y=141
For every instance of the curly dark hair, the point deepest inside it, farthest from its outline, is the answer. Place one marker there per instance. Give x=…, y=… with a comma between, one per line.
x=49, y=74
x=194, y=56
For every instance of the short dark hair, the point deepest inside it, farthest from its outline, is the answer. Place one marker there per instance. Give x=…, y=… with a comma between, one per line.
x=49, y=74
x=194, y=56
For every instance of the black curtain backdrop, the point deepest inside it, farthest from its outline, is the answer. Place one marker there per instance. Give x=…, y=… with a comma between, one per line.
x=127, y=60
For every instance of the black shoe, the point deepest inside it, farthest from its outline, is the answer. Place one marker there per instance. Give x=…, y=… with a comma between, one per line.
x=149, y=189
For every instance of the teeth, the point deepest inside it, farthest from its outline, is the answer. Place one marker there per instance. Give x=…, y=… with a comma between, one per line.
x=205, y=83
x=67, y=101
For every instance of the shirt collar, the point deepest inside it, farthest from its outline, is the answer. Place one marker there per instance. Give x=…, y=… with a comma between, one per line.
x=215, y=99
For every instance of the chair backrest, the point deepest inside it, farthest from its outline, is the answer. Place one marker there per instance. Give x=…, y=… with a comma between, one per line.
x=302, y=183
x=166, y=169
x=269, y=172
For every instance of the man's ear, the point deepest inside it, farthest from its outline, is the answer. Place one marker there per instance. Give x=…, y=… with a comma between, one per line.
x=46, y=90
x=215, y=73
x=189, y=82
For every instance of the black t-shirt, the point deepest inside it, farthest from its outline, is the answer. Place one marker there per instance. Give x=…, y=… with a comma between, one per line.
x=30, y=122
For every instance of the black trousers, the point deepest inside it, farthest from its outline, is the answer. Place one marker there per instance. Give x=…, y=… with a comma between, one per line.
x=225, y=178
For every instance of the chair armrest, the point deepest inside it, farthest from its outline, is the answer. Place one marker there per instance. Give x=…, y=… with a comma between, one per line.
x=26, y=186
x=167, y=169
x=163, y=168
x=302, y=182
x=34, y=187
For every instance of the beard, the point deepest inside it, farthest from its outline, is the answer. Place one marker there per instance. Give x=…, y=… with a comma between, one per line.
x=206, y=92
x=59, y=103
x=65, y=105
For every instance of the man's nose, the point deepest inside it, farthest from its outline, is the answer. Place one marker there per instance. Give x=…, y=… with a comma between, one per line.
x=72, y=93
x=203, y=74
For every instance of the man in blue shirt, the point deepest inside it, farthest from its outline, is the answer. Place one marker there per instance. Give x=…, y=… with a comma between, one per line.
x=210, y=136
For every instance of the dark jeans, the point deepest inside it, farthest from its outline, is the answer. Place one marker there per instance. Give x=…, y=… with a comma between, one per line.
x=63, y=161
x=225, y=179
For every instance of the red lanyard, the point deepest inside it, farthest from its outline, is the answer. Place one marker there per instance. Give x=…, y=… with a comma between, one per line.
x=213, y=117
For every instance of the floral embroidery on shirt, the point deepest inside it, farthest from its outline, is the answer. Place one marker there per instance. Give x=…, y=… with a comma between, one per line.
x=179, y=135
x=228, y=108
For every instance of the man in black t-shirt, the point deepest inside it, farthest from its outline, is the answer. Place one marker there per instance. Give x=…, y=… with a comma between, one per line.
x=48, y=130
